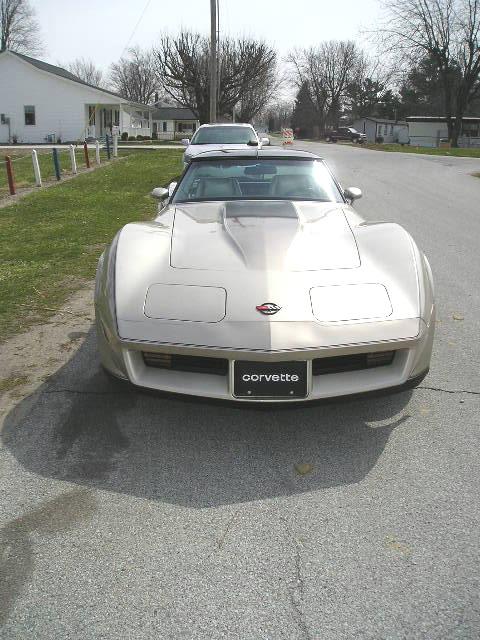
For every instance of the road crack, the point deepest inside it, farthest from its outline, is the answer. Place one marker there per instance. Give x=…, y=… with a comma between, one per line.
x=297, y=588
x=451, y=391
x=221, y=540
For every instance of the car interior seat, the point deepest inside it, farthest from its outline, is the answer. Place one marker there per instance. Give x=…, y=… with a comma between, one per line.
x=218, y=188
x=293, y=186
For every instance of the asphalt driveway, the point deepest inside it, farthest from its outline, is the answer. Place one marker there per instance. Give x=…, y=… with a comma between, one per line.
x=130, y=515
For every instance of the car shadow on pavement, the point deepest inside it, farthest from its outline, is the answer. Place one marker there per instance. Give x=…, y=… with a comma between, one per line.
x=85, y=428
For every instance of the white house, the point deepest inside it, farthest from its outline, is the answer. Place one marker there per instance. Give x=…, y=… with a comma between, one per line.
x=170, y=122
x=40, y=102
x=389, y=130
x=429, y=131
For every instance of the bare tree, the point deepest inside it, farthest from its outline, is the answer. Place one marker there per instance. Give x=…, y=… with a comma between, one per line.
x=372, y=85
x=86, y=71
x=135, y=77
x=245, y=65
x=19, y=29
x=448, y=32
x=258, y=95
x=327, y=71
x=278, y=115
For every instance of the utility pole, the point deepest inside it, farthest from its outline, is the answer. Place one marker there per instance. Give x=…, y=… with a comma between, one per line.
x=213, y=60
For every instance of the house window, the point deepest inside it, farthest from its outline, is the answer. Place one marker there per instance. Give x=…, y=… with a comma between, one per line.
x=164, y=126
x=470, y=129
x=116, y=118
x=29, y=114
x=179, y=126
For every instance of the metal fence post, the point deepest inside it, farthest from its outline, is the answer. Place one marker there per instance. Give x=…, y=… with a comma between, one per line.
x=97, y=151
x=85, y=151
x=115, y=145
x=56, y=164
x=73, y=159
x=10, y=175
x=108, y=146
x=36, y=169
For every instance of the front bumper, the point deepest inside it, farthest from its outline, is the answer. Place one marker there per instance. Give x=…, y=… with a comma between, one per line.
x=125, y=360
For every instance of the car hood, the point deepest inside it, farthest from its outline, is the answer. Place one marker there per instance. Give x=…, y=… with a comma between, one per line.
x=208, y=265
x=273, y=235
x=194, y=149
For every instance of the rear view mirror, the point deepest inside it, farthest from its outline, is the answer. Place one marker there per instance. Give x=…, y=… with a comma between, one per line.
x=260, y=169
x=352, y=193
x=159, y=193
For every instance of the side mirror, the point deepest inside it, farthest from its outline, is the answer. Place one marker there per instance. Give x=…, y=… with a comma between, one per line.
x=185, y=142
x=265, y=141
x=171, y=188
x=352, y=193
x=159, y=193
x=252, y=143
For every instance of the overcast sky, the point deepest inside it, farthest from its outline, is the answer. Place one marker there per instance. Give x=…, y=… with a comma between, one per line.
x=101, y=29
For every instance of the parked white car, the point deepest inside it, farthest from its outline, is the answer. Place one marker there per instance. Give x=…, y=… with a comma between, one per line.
x=210, y=137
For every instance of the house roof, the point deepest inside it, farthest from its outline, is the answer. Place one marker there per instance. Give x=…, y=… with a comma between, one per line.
x=381, y=120
x=173, y=113
x=440, y=119
x=63, y=73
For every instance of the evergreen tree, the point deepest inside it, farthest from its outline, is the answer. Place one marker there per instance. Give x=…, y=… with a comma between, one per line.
x=304, y=116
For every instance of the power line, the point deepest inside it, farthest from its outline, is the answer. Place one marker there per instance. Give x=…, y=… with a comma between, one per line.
x=136, y=27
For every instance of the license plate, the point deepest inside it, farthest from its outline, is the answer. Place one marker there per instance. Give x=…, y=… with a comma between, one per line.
x=269, y=379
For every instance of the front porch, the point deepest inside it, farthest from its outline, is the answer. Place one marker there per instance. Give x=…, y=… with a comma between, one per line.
x=103, y=119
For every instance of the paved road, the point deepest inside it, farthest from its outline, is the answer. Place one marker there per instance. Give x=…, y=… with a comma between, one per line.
x=130, y=516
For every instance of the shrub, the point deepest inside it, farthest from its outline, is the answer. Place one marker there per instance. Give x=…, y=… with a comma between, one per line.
x=131, y=138
x=139, y=137
x=124, y=136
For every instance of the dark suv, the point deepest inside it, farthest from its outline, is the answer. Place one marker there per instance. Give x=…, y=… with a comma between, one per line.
x=345, y=133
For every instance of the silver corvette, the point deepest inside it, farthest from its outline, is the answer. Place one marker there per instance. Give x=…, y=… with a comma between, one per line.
x=258, y=281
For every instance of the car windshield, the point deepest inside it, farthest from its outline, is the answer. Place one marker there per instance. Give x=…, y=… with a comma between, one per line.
x=257, y=179
x=224, y=135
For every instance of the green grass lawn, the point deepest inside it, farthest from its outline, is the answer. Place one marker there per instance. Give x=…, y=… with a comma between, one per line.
x=461, y=153
x=50, y=240
x=149, y=142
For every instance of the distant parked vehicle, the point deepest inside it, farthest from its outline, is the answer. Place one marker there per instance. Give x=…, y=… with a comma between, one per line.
x=345, y=133
x=210, y=137
x=262, y=134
